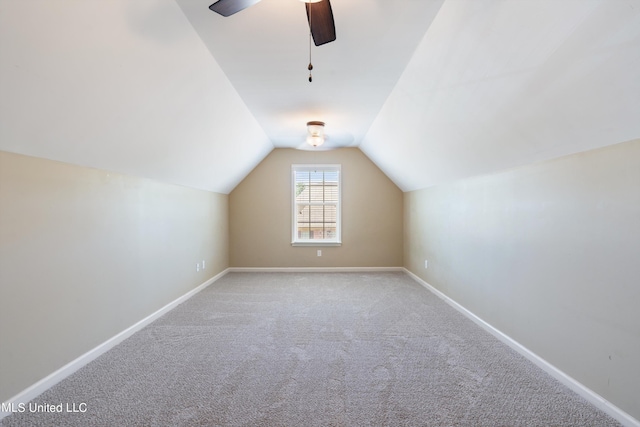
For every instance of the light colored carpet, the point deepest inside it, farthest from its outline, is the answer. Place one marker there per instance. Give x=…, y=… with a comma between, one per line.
x=335, y=349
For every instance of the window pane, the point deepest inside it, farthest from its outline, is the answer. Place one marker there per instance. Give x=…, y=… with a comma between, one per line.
x=302, y=176
x=316, y=193
x=302, y=185
x=317, y=213
x=317, y=231
x=331, y=214
x=331, y=192
x=316, y=177
x=302, y=213
x=330, y=230
x=302, y=222
x=302, y=193
x=303, y=234
x=331, y=176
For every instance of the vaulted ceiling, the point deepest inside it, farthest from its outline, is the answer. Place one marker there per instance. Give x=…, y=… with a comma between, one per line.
x=431, y=90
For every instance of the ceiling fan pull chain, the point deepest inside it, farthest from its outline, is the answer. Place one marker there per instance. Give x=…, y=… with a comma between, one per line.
x=310, y=66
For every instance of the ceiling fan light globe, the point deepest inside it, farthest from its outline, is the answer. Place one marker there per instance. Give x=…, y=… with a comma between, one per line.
x=315, y=140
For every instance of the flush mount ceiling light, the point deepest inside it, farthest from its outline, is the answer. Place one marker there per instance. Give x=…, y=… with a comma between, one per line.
x=315, y=132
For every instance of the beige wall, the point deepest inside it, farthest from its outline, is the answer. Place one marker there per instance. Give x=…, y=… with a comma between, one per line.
x=549, y=255
x=260, y=214
x=85, y=253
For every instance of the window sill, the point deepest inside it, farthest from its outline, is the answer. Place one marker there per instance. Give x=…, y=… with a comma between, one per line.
x=316, y=243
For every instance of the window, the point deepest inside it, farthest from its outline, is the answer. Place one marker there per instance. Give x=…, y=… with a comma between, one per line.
x=316, y=205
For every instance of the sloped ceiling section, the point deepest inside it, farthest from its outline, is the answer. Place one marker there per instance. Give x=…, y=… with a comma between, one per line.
x=499, y=84
x=122, y=85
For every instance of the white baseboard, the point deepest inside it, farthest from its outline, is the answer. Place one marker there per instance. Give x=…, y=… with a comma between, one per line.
x=52, y=379
x=312, y=269
x=577, y=387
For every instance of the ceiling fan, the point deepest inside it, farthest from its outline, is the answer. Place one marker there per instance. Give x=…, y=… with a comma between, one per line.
x=319, y=15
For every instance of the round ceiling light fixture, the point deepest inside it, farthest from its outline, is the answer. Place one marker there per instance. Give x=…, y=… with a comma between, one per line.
x=315, y=130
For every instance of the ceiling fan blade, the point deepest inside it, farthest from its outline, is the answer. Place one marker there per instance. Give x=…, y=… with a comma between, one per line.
x=320, y=17
x=229, y=7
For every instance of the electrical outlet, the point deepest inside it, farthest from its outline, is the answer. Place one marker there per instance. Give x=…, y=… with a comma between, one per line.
x=426, y=264
x=197, y=267
x=319, y=252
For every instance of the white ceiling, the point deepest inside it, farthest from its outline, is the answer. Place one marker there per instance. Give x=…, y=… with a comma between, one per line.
x=431, y=91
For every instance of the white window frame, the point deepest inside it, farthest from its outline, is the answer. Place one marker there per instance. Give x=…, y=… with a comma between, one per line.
x=295, y=240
